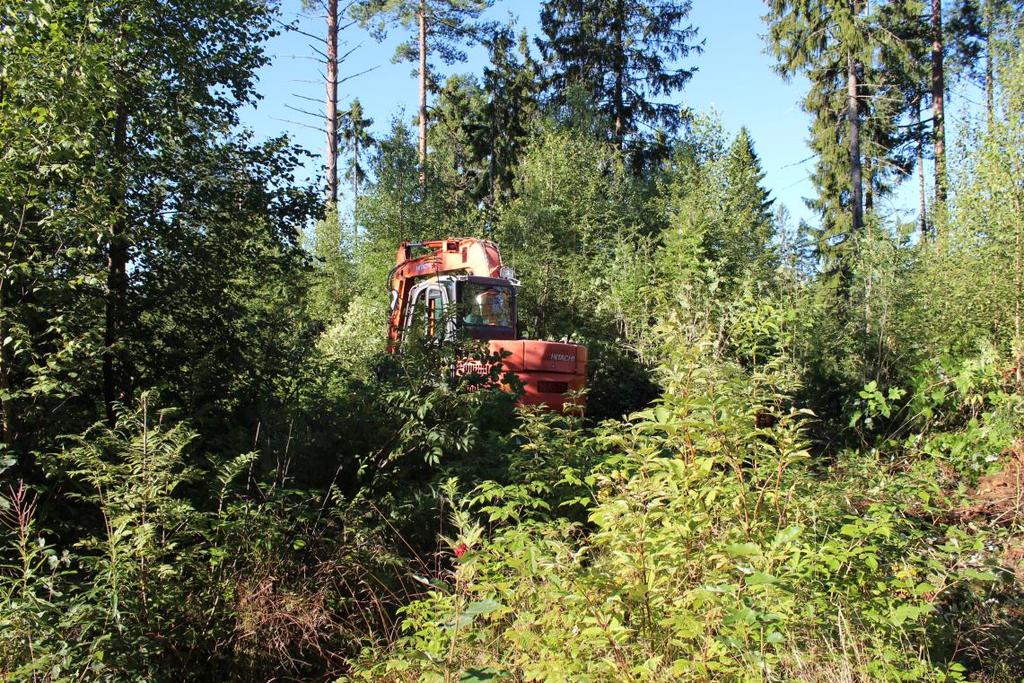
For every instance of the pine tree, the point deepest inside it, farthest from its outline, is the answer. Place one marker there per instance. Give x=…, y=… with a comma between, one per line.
x=331, y=113
x=331, y=60
x=624, y=54
x=442, y=27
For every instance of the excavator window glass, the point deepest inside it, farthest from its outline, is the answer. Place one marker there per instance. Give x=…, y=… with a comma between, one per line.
x=487, y=306
x=435, y=313
x=428, y=310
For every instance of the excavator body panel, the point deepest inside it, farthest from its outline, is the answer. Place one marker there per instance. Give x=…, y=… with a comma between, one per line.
x=548, y=371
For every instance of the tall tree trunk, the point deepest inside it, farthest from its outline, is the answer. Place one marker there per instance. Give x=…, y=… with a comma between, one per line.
x=355, y=192
x=620, y=75
x=355, y=171
x=867, y=267
x=938, y=110
x=492, y=165
x=923, y=207
x=331, y=118
x=115, y=380
x=853, y=119
x=422, y=17
x=1018, y=341
x=989, y=82
x=869, y=187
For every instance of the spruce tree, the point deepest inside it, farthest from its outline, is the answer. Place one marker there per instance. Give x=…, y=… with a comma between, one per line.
x=979, y=35
x=625, y=55
x=749, y=209
x=502, y=132
x=355, y=132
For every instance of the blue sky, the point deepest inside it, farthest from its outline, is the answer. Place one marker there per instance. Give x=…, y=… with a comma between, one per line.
x=734, y=78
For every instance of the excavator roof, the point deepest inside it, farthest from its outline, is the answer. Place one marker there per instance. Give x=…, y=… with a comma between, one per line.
x=453, y=255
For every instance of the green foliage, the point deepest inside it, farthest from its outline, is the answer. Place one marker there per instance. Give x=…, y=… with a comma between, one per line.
x=214, y=570
x=450, y=23
x=876, y=49
x=623, y=56
x=711, y=549
x=802, y=477
x=574, y=202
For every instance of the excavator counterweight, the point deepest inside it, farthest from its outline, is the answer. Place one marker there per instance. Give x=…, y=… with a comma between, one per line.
x=459, y=285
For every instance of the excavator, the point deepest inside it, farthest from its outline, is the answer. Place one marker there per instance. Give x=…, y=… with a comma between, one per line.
x=459, y=286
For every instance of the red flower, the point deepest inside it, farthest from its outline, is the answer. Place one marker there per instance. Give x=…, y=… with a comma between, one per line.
x=461, y=550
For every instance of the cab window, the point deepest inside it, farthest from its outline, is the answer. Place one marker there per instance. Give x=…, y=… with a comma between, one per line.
x=487, y=305
x=428, y=312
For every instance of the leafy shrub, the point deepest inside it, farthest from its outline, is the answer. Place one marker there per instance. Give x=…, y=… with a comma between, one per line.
x=711, y=549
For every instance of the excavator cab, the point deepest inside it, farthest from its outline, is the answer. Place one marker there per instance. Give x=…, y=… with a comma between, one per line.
x=483, y=308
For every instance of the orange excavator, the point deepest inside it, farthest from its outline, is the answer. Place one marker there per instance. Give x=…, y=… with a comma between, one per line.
x=444, y=288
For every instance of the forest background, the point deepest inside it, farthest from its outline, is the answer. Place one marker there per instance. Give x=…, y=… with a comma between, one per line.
x=801, y=457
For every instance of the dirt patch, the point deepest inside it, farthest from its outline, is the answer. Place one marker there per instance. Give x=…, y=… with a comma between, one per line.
x=1013, y=557
x=1000, y=496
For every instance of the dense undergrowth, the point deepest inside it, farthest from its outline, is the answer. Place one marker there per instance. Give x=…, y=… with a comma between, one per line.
x=700, y=539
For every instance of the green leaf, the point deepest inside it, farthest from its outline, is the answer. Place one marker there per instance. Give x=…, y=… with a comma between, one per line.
x=761, y=579
x=741, y=615
x=476, y=675
x=743, y=550
x=903, y=613
x=787, y=535
x=979, y=575
x=484, y=606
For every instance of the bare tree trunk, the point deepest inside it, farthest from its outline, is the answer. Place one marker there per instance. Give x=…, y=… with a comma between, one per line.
x=923, y=208
x=355, y=171
x=989, y=82
x=869, y=187
x=422, y=17
x=331, y=118
x=620, y=68
x=1017, y=277
x=853, y=119
x=938, y=97
x=1017, y=293
x=868, y=267
x=115, y=384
